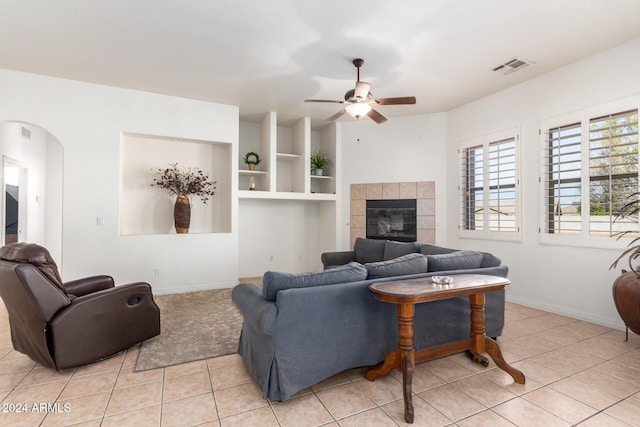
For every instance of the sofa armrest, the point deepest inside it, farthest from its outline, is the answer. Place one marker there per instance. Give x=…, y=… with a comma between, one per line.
x=88, y=285
x=334, y=259
x=257, y=311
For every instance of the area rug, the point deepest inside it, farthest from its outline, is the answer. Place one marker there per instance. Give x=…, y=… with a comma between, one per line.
x=194, y=326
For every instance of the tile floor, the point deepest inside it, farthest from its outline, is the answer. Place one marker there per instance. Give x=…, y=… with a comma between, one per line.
x=577, y=374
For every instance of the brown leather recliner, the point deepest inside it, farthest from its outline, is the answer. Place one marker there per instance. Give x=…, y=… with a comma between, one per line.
x=69, y=324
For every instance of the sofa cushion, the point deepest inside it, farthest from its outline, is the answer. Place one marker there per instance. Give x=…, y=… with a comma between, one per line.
x=407, y=264
x=274, y=281
x=459, y=260
x=427, y=249
x=368, y=250
x=397, y=249
x=490, y=260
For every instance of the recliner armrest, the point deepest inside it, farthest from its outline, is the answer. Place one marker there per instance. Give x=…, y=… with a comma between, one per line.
x=88, y=285
x=334, y=259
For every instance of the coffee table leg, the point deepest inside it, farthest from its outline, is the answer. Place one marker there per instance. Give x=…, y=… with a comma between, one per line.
x=407, y=377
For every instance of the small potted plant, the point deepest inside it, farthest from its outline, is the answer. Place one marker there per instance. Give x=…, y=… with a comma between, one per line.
x=252, y=159
x=320, y=161
x=183, y=182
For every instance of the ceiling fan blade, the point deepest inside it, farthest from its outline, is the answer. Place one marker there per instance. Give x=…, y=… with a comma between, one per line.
x=396, y=101
x=324, y=100
x=362, y=90
x=376, y=117
x=335, y=117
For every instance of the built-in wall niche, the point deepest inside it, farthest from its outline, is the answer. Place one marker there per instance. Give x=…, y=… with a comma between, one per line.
x=149, y=210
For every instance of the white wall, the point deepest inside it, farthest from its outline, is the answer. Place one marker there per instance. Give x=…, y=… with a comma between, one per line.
x=573, y=281
x=400, y=150
x=87, y=119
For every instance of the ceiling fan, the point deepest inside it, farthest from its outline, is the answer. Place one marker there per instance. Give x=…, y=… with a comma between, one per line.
x=360, y=102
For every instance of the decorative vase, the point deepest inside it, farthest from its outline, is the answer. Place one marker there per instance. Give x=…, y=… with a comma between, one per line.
x=252, y=166
x=317, y=172
x=182, y=214
x=626, y=296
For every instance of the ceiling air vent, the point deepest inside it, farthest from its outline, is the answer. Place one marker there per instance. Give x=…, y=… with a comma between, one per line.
x=26, y=133
x=513, y=65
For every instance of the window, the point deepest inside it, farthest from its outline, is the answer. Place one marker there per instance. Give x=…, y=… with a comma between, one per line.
x=589, y=173
x=489, y=186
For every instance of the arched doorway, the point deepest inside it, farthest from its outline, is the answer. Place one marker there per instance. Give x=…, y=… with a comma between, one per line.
x=32, y=177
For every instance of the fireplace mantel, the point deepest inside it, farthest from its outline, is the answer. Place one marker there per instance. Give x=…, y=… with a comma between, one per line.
x=424, y=192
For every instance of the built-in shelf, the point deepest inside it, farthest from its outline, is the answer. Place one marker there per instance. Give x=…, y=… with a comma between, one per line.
x=281, y=195
x=287, y=156
x=321, y=177
x=251, y=173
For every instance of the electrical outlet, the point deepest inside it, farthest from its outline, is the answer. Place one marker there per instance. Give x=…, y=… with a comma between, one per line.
x=271, y=258
x=156, y=272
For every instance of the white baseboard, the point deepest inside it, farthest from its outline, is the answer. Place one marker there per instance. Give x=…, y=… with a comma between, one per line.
x=195, y=288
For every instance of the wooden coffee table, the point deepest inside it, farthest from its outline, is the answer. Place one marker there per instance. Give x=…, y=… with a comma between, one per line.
x=405, y=294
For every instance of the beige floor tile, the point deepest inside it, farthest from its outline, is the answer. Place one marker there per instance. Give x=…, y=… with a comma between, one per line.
x=537, y=372
x=146, y=417
x=524, y=413
x=128, y=379
x=45, y=375
x=80, y=409
x=304, y=411
x=103, y=382
x=448, y=369
x=114, y=362
x=185, y=369
x=560, y=405
x=371, y=418
x=603, y=420
x=222, y=361
x=20, y=362
x=241, y=398
x=453, y=403
x=135, y=397
x=191, y=411
x=260, y=417
x=621, y=371
x=332, y=381
x=229, y=376
x=627, y=410
x=602, y=380
x=585, y=393
x=44, y=393
x=567, y=361
x=345, y=400
x=484, y=391
x=602, y=346
x=21, y=419
x=423, y=378
x=504, y=380
x=424, y=414
x=186, y=386
x=485, y=419
x=528, y=346
x=383, y=390
x=9, y=381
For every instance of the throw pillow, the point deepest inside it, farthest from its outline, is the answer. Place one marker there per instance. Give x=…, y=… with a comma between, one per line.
x=490, y=260
x=368, y=250
x=274, y=281
x=427, y=249
x=460, y=260
x=401, y=266
x=397, y=249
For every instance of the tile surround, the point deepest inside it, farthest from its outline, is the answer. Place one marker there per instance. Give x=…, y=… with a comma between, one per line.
x=424, y=192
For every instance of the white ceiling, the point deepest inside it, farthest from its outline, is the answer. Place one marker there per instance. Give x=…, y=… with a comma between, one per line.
x=269, y=55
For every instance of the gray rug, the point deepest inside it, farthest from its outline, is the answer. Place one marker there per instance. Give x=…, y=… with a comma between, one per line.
x=194, y=326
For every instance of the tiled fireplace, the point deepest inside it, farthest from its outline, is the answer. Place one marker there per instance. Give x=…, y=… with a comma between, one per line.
x=422, y=192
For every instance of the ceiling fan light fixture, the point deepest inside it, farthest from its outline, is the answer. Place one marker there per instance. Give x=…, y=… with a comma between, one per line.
x=358, y=109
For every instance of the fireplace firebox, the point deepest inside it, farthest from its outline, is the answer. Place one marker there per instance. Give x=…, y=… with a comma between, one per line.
x=392, y=220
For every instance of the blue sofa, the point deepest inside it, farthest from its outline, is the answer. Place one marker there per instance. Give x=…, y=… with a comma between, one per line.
x=300, y=329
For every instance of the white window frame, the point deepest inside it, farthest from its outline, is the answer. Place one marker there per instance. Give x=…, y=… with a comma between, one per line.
x=486, y=233
x=584, y=239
